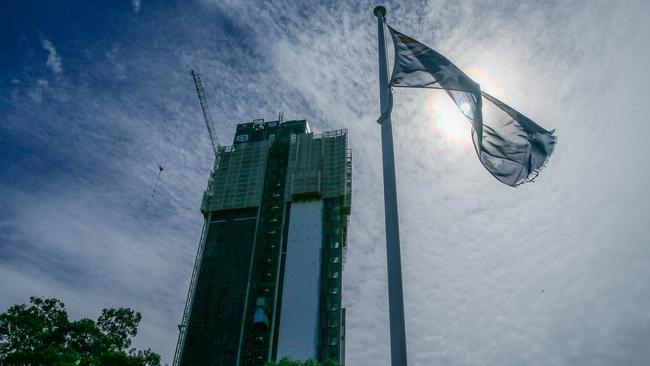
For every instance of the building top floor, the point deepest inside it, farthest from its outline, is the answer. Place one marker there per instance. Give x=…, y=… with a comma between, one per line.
x=260, y=130
x=316, y=166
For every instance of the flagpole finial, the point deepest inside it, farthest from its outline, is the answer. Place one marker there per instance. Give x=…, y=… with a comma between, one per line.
x=379, y=11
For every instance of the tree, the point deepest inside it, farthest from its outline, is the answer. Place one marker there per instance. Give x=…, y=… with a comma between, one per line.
x=42, y=334
x=289, y=362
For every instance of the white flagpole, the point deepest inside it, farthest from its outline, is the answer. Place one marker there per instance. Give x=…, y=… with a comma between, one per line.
x=393, y=258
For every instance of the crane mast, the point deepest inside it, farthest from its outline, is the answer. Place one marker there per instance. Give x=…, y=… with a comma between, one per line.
x=215, y=147
x=206, y=112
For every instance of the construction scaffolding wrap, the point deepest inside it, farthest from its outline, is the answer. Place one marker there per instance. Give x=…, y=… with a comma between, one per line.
x=242, y=277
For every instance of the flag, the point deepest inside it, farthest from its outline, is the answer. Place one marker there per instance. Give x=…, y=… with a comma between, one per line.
x=510, y=146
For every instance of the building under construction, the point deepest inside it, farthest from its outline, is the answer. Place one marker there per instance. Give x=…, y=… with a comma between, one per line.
x=267, y=278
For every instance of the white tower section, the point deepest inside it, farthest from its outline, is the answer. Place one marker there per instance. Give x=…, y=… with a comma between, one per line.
x=299, y=318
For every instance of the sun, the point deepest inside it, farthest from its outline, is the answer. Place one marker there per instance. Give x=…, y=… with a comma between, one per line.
x=448, y=120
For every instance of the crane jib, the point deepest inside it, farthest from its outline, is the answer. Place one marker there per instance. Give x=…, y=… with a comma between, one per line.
x=214, y=139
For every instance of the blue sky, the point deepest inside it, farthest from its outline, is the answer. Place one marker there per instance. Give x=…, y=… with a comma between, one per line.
x=95, y=95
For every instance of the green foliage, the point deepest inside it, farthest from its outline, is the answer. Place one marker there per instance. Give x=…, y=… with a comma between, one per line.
x=42, y=334
x=289, y=362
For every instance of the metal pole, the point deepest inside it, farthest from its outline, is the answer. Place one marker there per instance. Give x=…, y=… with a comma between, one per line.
x=393, y=258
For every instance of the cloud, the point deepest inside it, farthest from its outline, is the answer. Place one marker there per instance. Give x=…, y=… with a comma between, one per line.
x=78, y=220
x=53, y=58
x=136, y=5
x=476, y=254
x=36, y=93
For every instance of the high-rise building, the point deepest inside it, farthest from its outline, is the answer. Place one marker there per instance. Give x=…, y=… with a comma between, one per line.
x=267, y=276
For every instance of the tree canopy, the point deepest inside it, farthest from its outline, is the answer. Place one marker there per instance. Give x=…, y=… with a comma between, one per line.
x=41, y=334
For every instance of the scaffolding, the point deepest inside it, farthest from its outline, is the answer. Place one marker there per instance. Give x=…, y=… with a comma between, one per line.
x=257, y=178
x=190, y=296
x=238, y=179
x=320, y=166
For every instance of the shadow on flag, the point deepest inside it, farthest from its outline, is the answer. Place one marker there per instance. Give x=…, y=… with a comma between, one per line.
x=510, y=146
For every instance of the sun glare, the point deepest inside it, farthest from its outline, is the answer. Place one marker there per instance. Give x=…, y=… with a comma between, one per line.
x=448, y=119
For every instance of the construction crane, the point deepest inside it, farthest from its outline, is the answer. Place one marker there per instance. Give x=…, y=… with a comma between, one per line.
x=215, y=147
x=206, y=112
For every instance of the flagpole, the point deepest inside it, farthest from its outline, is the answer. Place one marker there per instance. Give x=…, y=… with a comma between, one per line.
x=393, y=258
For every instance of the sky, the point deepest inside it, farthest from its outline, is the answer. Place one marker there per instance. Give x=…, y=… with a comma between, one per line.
x=94, y=96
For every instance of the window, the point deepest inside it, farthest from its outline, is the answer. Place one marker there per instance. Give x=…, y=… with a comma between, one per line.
x=260, y=317
x=333, y=341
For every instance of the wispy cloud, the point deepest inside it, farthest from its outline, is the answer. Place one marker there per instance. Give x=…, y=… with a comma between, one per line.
x=78, y=220
x=136, y=5
x=36, y=93
x=53, y=58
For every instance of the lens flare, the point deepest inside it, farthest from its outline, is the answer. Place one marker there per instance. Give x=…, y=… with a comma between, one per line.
x=484, y=78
